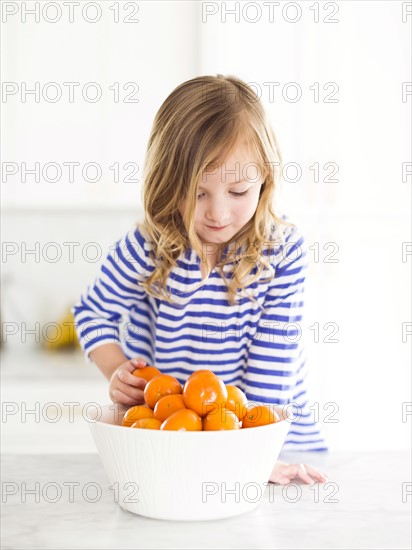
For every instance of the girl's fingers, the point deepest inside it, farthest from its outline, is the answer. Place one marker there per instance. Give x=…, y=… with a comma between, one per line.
x=319, y=476
x=299, y=471
x=133, y=364
x=285, y=473
x=303, y=475
x=134, y=394
x=280, y=479
x=128, y=389
x=127, y=377
x=118, y=396
x=138, y=362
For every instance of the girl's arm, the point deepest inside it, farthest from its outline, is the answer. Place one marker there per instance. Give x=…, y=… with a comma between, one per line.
x=276, y=370
x=100, y=311
x=115, y=292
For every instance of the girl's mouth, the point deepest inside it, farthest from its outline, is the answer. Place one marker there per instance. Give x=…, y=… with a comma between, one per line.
x=213, y=228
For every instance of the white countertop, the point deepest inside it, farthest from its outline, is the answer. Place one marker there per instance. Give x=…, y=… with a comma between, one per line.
x=369, y=512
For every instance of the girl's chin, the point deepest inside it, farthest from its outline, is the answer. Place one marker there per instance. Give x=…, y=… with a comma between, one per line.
x=211, y=235
x=207, y=239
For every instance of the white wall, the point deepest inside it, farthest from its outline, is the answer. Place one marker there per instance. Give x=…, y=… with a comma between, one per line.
x=151, y=54
x=366, y=214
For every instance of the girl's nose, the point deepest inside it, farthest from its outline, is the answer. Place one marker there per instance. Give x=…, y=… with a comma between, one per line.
x=218, y=214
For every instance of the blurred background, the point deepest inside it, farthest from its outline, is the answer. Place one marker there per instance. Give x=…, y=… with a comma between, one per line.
x=80, y=89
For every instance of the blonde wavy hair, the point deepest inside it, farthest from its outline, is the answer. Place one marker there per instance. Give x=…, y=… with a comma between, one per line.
x=198, y=125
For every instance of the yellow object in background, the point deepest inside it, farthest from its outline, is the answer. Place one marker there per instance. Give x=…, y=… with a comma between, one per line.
x=61, y=335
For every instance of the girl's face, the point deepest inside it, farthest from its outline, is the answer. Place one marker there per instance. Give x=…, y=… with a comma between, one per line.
x=227, y=197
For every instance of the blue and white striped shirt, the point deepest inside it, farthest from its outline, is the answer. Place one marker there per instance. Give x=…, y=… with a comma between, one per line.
x=258, y=350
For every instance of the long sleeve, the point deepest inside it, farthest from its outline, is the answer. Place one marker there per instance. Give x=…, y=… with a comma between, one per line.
x=277, y=368
x=114, y=293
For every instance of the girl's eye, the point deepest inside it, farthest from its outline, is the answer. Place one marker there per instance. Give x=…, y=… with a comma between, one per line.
x=236, y=195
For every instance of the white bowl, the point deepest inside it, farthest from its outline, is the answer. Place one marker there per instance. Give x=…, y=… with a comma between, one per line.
x=187, y=476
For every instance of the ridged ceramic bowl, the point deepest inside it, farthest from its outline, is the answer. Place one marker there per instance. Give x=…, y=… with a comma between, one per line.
x=187, y=476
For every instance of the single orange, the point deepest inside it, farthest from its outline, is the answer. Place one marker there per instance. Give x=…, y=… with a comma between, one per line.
x=221, y=419
x=259, y=415
x=236, y=401
x=161, y=385
x=167, y=405
x=202, y=371
x=136, y=413
x=146, y=372
x=203, y=392
x=147, y=423
x=183, y=420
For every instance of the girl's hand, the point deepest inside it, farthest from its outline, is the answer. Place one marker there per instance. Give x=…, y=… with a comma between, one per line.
x=125, y=388
x=284, y=473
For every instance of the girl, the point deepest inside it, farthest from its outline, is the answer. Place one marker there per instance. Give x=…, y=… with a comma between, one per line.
x=212, y=278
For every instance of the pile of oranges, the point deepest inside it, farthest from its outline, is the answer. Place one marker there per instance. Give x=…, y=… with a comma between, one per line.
x=204, y=402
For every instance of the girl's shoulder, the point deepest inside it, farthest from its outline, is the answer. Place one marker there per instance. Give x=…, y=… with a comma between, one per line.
x=287, y=241
x=141, y=234
x=285, y=232
x=137, y=243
